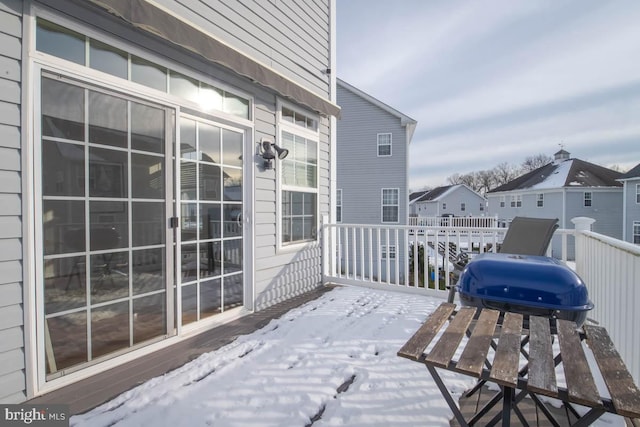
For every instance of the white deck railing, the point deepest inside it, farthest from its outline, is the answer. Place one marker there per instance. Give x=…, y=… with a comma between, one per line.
x=392, y=257
x=454, y=221
x=611, y=270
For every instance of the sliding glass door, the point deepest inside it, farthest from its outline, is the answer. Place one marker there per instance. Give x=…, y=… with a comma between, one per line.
x=104, y=207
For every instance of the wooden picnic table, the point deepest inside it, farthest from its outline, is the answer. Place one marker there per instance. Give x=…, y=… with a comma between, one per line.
x=523, y=362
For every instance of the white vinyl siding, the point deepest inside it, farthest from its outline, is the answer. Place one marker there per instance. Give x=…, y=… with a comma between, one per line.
x=384, y=144
x=390, y=205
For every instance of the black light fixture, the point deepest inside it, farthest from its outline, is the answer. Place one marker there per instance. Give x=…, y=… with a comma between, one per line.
x=269, y=150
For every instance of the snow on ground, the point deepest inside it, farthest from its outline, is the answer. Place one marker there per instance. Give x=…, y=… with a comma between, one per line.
x=330, y=362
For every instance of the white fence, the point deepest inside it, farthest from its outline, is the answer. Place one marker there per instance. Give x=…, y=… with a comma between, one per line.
x=454, y=221
x=392, y=257
x=611, y=270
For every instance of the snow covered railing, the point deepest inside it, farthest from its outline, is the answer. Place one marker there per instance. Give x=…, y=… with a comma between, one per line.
x=454, y=221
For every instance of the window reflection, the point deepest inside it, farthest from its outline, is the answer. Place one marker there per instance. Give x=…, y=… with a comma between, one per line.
x=231, y=148
x=209, y=220
x=210, y=182
x=148, y=73
x=232, y=184
x=188, y=173
x=68, y=334
x=148, y=174
x=189, y=263
x=109, y=328
x=64, y=284
x=62, y=110
x=210, y=259
x=188, y=139
x=109, y=276
x=147, y=128
x=107, y=173
x=107, y=120
x=209, y=140
x=233, y=291
x=189, y=304
x=148, y=226
x=148, y=270
x=189, y=224
x=149, y=317
x=183, y=86
x=210, y=298
x=61, y=42
x=107, y=59
x=62, y=169
x=63, y=226
x=232, y=254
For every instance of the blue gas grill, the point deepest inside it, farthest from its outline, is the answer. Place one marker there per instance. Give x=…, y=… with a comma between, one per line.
x=530, y=285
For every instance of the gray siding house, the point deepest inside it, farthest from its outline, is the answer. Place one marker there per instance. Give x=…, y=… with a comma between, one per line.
x=135, y=205
x=565, y=188
x=372, y=162
x=631, y=205
x=456, y=200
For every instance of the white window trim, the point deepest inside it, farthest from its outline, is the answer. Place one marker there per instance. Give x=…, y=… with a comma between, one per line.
x=463, y=206
x=339, y=204
x=590, y=199
x=540, y=200
x=391, y=251
x=503, y=201
x=390, y=144
x=285, y=126
x=382, y=205
x=637, y=194
x=633, y=231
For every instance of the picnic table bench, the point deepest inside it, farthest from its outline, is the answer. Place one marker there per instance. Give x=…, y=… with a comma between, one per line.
x=523, y=362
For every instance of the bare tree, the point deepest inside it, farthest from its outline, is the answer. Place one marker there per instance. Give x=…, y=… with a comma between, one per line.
x=534, y=162
x=486, y=181
x=455, y=179
x=504, y=173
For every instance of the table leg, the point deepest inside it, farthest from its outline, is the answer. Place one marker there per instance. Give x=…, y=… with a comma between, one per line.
x=507, y=399
x=447, y=396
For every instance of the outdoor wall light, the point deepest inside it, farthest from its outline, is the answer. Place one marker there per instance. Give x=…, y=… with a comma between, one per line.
x=269, y=151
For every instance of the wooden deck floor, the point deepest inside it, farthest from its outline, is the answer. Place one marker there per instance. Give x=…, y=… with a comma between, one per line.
x=91, y=392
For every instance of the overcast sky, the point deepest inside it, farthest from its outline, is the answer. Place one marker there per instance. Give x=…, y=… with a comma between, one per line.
x=496, y=81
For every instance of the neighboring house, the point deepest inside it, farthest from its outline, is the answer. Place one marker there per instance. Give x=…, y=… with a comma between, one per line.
x=135, y=207
x=456, y=200
x=631, y=205
x=565, y=188
x=372, y=160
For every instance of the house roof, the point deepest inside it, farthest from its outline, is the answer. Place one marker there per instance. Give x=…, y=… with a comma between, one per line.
x=633, y=173
x=568, y=173
x=417, y=194
x=435, y=194
x=404, y=119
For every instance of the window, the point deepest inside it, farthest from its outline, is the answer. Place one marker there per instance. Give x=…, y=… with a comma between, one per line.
x=516, y=201
x=299, y=177
x=463, y=206
x=540, y=200
x=636, y=232
x=481, y=206
x=339, y=205
x=502, y=201
x=58, y=41
x=638, y=194
x=391, y=251
x=444, y=206
x=384, y=144
x=587, y=198
x=390, y=205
